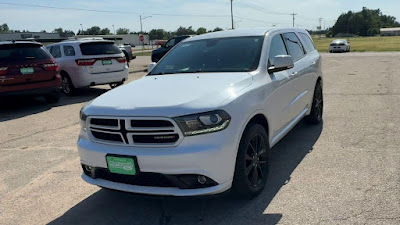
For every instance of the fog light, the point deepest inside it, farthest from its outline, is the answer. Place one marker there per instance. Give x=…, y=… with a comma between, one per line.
x=202, y=179
x=88, y=168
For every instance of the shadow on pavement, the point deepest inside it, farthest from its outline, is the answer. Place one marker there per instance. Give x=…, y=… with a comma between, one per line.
x=20, y=106
x=110, y=207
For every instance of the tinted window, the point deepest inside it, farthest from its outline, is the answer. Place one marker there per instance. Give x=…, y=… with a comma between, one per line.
x=307, y=43
x=56, y=51
x=294, y=46
x=239, y=54
x=277, y=47
x=99, y=48
x=22, y=52
x=170, y=43
x=69, y=50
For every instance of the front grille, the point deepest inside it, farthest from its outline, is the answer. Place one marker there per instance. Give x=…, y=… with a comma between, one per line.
x=134, y=131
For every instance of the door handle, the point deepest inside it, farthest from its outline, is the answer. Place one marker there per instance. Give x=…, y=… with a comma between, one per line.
x=313, y=64
x=294, y=73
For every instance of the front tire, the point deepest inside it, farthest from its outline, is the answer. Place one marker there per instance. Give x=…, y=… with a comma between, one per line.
x=252, y=162
x=317, y=107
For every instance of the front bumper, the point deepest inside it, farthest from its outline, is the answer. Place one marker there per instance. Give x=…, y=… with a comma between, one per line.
x=211, y=155
x=338, y=49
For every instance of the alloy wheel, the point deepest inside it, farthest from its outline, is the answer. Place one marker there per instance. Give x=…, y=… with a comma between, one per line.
x=66, y=85
x=256, y=161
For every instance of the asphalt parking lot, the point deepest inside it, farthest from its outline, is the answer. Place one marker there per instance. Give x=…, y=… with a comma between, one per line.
x=346, y=171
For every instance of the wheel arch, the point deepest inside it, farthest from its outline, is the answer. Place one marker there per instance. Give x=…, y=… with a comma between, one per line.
x=257, y=118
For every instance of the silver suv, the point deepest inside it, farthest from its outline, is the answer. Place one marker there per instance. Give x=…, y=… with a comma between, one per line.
x=89, y=62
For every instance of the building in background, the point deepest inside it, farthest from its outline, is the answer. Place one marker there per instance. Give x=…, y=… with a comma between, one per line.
x=132, y=39
x=37, y=36
x=395, y=31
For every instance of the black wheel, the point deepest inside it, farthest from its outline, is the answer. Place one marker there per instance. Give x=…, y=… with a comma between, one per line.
x=317, y=109
x=67, y=86
x=53, y=97
x=252, y=162
x=116, y=84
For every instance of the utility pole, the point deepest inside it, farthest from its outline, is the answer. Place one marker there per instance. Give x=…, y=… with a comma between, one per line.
x=293, y=14
x=320, y=27
x=233, y=26
x=83, y=33
x=115, y=38
x=141, y=28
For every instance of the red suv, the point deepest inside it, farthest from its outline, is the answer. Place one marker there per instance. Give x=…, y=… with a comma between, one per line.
x=27, y=68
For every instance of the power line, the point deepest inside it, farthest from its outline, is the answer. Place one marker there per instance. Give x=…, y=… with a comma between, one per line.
x=261, y=9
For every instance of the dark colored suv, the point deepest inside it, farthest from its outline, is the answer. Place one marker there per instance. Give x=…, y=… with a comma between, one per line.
x=160, y=52
x=27, y=68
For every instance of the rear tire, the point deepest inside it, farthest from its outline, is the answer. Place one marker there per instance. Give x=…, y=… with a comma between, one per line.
x=252, y=162
x=317, y=107
x=67, y=86
x=116, y=84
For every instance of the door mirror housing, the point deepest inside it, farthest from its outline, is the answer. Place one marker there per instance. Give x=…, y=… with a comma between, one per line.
x=281, y=63
x=151, y=66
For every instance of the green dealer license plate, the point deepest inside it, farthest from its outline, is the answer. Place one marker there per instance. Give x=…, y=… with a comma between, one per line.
x=121, y=165
x=28, y=70
x=107, y=62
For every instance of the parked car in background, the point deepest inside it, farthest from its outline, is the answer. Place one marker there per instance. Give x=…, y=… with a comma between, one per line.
x=89, y=62
x=128, y=52
x=160, y=52
x=339, y=45
x=26, y=68
x=223, y=100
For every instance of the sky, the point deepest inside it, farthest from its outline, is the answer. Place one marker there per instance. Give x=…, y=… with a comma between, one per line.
x=171, y=14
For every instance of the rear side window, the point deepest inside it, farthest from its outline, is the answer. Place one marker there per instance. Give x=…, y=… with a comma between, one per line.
x=294, y=46
x=307, y=42
x=99, y=48
x=69, y=50
x=277, y=47
x=170, y=43
x=22, y=52
x=56, y=51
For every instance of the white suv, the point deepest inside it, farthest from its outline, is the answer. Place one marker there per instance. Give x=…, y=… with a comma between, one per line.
x=205, y=117
x=89, y=62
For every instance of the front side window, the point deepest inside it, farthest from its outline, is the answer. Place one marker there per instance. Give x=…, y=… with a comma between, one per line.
x=308, y=44
x=69, y=50
x=276, y=48
x=170, y=43
x=238, y=54
x=294, y=46
x=56, y=51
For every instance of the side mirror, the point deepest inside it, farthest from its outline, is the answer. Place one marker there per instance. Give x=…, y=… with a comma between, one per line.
x=281, y=63
x=151, y=66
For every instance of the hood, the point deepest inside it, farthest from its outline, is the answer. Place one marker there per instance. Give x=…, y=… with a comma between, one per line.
x=170, y=95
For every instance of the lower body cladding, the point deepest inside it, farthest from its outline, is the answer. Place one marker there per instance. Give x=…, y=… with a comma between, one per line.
x=88, y=79
x=199, y=165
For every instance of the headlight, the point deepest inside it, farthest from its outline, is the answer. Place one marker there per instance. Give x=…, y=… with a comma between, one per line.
x=203, y=123
x=83, y=118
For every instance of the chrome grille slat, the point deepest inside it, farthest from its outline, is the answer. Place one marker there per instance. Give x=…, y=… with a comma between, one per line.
x=152, y=136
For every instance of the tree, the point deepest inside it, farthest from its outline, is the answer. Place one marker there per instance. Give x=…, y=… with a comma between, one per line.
x=218, y=29
x=158, y=34
x=123, y=31
x=4, y=28
x=43, y=31
x=64, y=33
x=95, y=30
x=105, y=31
x=185, y=31
x=364, y=23
x=201, y=30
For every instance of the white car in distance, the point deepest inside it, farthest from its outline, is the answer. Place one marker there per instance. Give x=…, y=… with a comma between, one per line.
x=88, y=62
x=205, y=117
x=339, y=45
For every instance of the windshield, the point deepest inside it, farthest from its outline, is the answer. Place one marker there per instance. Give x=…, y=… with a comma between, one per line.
x=238, y=54
x=99, y=48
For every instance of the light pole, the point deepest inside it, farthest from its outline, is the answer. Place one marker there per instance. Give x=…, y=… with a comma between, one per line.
x=83, y=33
x=115, y=38
x=141, y=28
x=233, y=26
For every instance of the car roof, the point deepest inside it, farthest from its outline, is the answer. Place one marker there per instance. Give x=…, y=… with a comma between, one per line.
x=262, y=31
x=20, y=42
x=79, y=41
